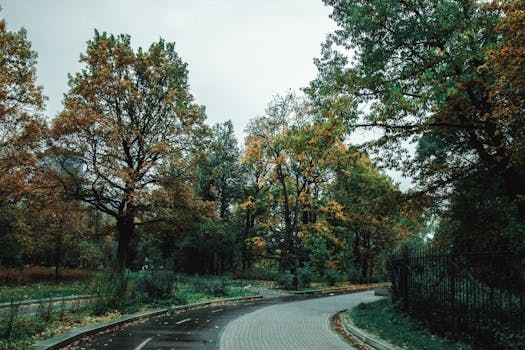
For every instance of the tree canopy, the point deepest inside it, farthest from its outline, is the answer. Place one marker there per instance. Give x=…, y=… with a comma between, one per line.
x=21, y=103
x=126, y=114
x=440, y=75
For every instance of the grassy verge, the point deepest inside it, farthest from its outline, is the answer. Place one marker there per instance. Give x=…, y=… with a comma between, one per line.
x=26, y=330
x=41, y=290
x=343, y=285
x=381, y=319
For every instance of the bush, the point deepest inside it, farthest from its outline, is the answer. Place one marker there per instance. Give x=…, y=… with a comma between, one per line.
x=215, y=287
x=259, y=274
x=112, y=292
x=155, y=286
x=378, y=277
x=509, y=340
x=305, y=276
x=285, y=281
x=354, y=275
x=332, y=276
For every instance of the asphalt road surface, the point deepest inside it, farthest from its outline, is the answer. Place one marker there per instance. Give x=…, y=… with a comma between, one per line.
x=287, y=322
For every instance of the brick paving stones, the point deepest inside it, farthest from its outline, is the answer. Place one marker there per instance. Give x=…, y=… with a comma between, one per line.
x=296, y=325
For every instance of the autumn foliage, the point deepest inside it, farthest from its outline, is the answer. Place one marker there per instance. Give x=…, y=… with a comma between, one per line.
x=128, y=175
x=21, y=103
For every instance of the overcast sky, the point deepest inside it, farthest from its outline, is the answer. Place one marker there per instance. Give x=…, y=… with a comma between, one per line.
x=239, y=52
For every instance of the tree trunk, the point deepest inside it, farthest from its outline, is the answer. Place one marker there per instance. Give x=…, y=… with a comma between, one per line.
x=58, y=256
x=126, y=229
x=515, y=189
x=244, y=252
x=357, y=251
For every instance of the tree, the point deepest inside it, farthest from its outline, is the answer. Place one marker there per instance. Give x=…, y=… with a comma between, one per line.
x=252, y=209
x=435, y=74
x=294, y=145
x=57, y=226
x=21, y=102
x=126, y=114
x=219, y=173
x=368, y=214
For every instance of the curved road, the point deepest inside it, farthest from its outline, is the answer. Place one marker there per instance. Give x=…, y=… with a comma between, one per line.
x=273, y=323
x=297, y=325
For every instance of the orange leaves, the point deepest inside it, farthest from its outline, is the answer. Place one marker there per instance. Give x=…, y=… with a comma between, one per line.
x=279, y=160
x=335, y=209
x=258, y=245
x=21, y=101
x=129, y=116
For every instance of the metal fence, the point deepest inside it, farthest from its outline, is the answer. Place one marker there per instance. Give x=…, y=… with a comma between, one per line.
x=478, y=297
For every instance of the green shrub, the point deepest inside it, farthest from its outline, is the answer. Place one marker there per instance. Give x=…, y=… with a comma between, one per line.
x=111, y=292
x=285, y=281
x=332, y=276
x=154, y=286
x=215, y=287
x=378, y=277
x=259, y=274
x=509, y=340
x=305, y=276
x=354, y=275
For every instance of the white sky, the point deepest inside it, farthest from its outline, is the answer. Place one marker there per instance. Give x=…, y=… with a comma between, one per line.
x=239, y=52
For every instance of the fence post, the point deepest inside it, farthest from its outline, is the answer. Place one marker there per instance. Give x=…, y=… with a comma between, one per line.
x=404, y=278
x=452, y=286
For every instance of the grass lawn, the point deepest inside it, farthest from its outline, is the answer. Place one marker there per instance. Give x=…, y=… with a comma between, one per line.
x=381, y=319
x=41, y=290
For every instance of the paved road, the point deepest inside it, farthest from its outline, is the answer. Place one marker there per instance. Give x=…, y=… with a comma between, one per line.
x=211, y=328
x=197, y=329
x=296, y=325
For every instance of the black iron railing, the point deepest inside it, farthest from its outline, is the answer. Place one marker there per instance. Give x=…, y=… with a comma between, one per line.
x=479, y=297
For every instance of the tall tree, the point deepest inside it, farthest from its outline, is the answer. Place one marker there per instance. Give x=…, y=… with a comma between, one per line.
x=368, y=214
x=422, y=69
x=21, y=103
x=298, y=145
x=441, y=75
x=126, y=114
x=219, y=173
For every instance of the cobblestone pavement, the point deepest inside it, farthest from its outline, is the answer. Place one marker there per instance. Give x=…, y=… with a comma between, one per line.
x=291, y=326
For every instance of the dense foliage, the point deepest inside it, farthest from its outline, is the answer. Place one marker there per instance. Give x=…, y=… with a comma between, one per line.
x=439, y=77
x=129, y=176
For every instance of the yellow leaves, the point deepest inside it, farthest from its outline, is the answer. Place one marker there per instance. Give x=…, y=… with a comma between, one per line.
x=253, y=150
x=258, y=245
x=247, y=204
x=305, y=198
x=334, y=208
x=124, y=84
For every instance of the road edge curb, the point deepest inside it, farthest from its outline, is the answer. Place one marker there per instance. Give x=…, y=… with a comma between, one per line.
x=340, y=289
x=70, y=336
x=364, y=336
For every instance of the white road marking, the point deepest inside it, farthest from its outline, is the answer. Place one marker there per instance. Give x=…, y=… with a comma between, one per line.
x=218, y=310
x=185, y=320
x=141, y=345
